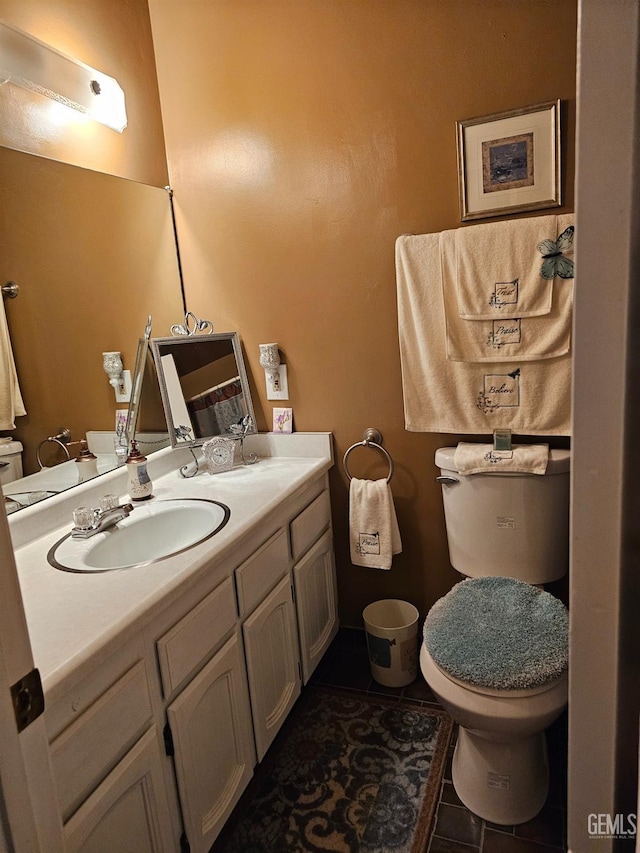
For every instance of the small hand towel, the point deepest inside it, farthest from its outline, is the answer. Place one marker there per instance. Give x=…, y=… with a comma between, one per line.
x=521, y=338
x=498, y=268
x=482, y=458
x=11, y=403
x=374, y=536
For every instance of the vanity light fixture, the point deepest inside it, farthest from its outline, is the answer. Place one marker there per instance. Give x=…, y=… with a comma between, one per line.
x=27, y=62
x=275, y=372
x=119, y=378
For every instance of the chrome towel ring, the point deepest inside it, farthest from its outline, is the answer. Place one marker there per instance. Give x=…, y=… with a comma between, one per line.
x=370, y=438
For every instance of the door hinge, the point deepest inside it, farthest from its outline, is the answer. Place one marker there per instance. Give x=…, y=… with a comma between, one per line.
x=185, y=847
x=168, y=741
x=28, y=699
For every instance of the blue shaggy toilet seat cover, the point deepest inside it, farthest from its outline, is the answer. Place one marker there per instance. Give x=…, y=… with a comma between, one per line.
x=501, y=633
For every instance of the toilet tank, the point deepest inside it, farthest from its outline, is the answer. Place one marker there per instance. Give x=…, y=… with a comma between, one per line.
x=508, y=524
x=10, y=461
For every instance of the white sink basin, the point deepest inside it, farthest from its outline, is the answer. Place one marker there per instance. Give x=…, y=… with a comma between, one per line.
x=152, y=532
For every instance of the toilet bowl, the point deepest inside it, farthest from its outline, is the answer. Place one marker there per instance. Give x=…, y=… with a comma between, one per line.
x=500, y=768
x=495, y=648
x=495, y=655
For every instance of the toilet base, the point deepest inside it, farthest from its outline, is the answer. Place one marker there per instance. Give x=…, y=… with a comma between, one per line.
x=504, y=783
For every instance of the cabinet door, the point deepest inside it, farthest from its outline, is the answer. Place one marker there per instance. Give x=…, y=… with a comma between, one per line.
x=316, y=602
x=271, y=647
x=129, y=811
x=210, y=723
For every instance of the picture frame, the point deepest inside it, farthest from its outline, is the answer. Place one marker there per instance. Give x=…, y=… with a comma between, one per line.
x=509, y=162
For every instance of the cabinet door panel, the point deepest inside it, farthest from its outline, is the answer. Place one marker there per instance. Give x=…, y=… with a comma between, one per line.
x=316, y=602
x=182, y=649
x=311, y=521
x=129, y=811
x=92, y=744
x=271, y=648
x=260, y=573
x=214, y=755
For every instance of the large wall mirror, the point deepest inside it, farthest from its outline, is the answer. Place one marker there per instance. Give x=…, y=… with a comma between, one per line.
x=93, y=256
x=204, y=386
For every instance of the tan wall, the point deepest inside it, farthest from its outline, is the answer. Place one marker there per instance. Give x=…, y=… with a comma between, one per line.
x=303, y=138
x=114, y=37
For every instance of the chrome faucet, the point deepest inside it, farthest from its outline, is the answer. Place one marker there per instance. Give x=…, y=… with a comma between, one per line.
x=102, y=519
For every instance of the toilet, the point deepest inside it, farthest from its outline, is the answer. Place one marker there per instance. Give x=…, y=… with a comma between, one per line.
x=495, y=648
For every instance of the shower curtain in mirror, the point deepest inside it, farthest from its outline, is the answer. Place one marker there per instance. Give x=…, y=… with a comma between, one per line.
x=216, y=409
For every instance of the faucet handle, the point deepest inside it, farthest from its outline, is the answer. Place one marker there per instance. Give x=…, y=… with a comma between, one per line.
x=108, y=502
x=84, y=518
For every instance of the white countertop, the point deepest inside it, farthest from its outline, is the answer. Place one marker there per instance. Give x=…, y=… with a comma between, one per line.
x=73, y=617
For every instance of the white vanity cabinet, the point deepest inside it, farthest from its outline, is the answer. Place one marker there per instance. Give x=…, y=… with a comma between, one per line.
x=154, y=741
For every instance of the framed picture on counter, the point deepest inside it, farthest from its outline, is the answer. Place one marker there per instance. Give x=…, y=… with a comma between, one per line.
x=509, y=162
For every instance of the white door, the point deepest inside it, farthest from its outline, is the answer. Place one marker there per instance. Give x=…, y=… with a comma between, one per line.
x=316, y=602
x=26, y=780
x=271, y=648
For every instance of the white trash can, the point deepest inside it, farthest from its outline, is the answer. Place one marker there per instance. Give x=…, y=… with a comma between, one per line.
x=391, y=627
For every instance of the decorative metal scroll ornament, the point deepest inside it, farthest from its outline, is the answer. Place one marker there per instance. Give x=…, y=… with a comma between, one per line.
x=240, y=431
x=192, y=325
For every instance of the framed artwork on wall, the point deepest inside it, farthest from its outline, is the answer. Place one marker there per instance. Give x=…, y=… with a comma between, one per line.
x=509, y=162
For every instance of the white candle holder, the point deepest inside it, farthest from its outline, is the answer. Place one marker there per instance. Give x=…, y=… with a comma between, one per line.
x=275, y=372
x=119, y=379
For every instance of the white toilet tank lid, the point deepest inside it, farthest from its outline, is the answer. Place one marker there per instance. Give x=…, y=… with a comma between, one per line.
x=559, y=460
x=8, y=448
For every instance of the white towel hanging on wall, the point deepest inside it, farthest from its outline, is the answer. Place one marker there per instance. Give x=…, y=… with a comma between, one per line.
x=531, y=398
x=374, y=536
x=498, y=268
x=509, y=336
x=11, y=404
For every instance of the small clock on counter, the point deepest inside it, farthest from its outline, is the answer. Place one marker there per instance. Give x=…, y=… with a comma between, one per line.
x=218, y=454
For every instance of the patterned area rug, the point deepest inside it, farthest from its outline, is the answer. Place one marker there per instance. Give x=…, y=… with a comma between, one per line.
x=348, y=774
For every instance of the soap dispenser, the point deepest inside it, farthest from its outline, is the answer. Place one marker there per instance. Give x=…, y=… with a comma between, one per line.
x=87, y=463
x=140, y=485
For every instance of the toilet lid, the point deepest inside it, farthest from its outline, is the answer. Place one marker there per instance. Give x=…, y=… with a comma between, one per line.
x=501, y=633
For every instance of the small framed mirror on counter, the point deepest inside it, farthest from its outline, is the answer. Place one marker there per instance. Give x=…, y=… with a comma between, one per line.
x=204, y=386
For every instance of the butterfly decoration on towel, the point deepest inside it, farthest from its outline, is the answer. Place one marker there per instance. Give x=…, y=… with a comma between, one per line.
x=554, y=262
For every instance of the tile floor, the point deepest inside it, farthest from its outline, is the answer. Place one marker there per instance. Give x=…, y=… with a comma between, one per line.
x=456, y=829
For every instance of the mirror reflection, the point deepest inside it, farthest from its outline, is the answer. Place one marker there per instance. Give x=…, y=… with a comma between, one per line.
x=204, y=386
x=93, y=255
